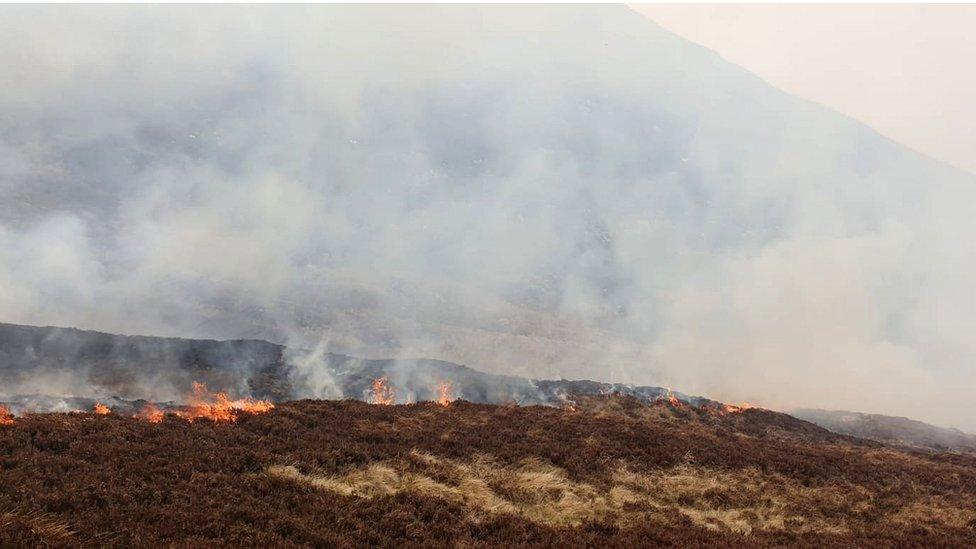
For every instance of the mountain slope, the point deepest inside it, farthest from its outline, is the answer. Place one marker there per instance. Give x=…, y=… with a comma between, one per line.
x=42, y=364
x=892, y=430
x=544, y=191
x=64, y=369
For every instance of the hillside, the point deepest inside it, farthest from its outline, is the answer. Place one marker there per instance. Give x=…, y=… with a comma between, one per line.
x=41, y=364
x=612, y=472
x=537, y=191
x=893, y=430
x=64, y=369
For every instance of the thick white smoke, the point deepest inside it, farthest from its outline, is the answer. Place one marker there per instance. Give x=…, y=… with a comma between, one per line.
x=545, y=191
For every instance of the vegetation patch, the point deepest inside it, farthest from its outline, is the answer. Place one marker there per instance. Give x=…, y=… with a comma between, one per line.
x=609, y=472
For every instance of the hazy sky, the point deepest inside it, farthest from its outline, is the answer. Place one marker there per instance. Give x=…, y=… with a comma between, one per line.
x=906, y=70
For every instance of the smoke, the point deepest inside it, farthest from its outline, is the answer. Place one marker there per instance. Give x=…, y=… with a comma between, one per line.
x=312, y=372
x=560, y=191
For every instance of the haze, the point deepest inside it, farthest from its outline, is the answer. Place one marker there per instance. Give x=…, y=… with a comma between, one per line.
x=549, y=191
x=904, y=69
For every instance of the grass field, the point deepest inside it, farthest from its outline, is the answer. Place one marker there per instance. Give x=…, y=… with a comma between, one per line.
x=611, y=471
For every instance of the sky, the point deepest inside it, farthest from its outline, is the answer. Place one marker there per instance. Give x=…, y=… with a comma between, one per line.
x=906, y=70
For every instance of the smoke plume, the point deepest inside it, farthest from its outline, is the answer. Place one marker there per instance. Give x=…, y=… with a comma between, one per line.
x=558, y=191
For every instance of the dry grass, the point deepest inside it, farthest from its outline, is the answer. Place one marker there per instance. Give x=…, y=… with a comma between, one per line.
x=739, y=501
x=935, y=511
x=745, y=500
x=33, y=529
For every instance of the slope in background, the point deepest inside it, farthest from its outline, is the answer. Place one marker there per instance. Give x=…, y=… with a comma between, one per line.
x=548, y=191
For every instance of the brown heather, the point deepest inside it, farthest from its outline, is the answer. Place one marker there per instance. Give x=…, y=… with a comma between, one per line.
x=612, y=472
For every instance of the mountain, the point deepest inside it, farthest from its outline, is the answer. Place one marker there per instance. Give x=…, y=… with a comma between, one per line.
x=539, y=191
x=891, y=430
x=66, y=361
x=65, y=369
x=50, y=369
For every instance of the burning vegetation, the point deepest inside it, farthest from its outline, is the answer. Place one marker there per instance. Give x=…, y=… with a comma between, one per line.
x=445, y=393
x=671, y=399
x=204, y=404
x=150, y=413
x=201, y=403
x=737, y=408
x=383, y=393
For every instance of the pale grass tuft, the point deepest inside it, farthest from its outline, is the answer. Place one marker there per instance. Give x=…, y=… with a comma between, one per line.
x=741, y=500
x=935, y=511
x=45, y=526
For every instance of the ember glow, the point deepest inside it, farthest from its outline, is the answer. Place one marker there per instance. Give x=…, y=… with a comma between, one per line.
x=383, y=392
x=6, y=418
x=445, y=393
x=101, y=409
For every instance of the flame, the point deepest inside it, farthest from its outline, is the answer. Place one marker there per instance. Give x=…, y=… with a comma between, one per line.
x=150, y=413
x=6, y=418
x=725, y=409
x=736, y=408
x=101, y=409
x=445, y=393
x=202, y=403
x=670, y=398
x=383, y=393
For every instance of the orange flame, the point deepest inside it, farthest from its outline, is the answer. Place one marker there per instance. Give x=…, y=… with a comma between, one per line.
x=736, y=408
x=383, y=393
x=445, y=393
x=150, y=413
x=201, y=403
x=670, y=398
x=6, y=418
x=101, y=409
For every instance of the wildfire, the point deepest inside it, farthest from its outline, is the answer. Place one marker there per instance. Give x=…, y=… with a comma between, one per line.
x=736, y=408
x=383, y=393
x=6, y=418
x=101, y=409
x=670, y=398
x=445, y=393
x=150, y=413
x=202, y=403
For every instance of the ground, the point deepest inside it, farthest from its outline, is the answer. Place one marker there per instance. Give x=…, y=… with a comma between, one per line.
x=608, y=471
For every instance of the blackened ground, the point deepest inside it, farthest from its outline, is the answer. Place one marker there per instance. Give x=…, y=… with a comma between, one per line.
x=612, y=471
